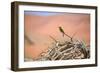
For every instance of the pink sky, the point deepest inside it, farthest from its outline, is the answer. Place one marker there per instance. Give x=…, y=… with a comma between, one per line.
x=38, y=28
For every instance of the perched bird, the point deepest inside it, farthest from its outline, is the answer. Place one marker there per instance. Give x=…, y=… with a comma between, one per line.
x=61, y=30
x=63, y=33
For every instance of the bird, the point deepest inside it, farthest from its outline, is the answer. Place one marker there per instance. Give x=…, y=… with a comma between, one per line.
x=28, y=39
x=61, y=30
x=63, y=33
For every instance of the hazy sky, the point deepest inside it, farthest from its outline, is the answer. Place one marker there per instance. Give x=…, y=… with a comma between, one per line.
x=43, y=13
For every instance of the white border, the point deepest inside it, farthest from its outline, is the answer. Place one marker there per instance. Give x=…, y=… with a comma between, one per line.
x=23, y=64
